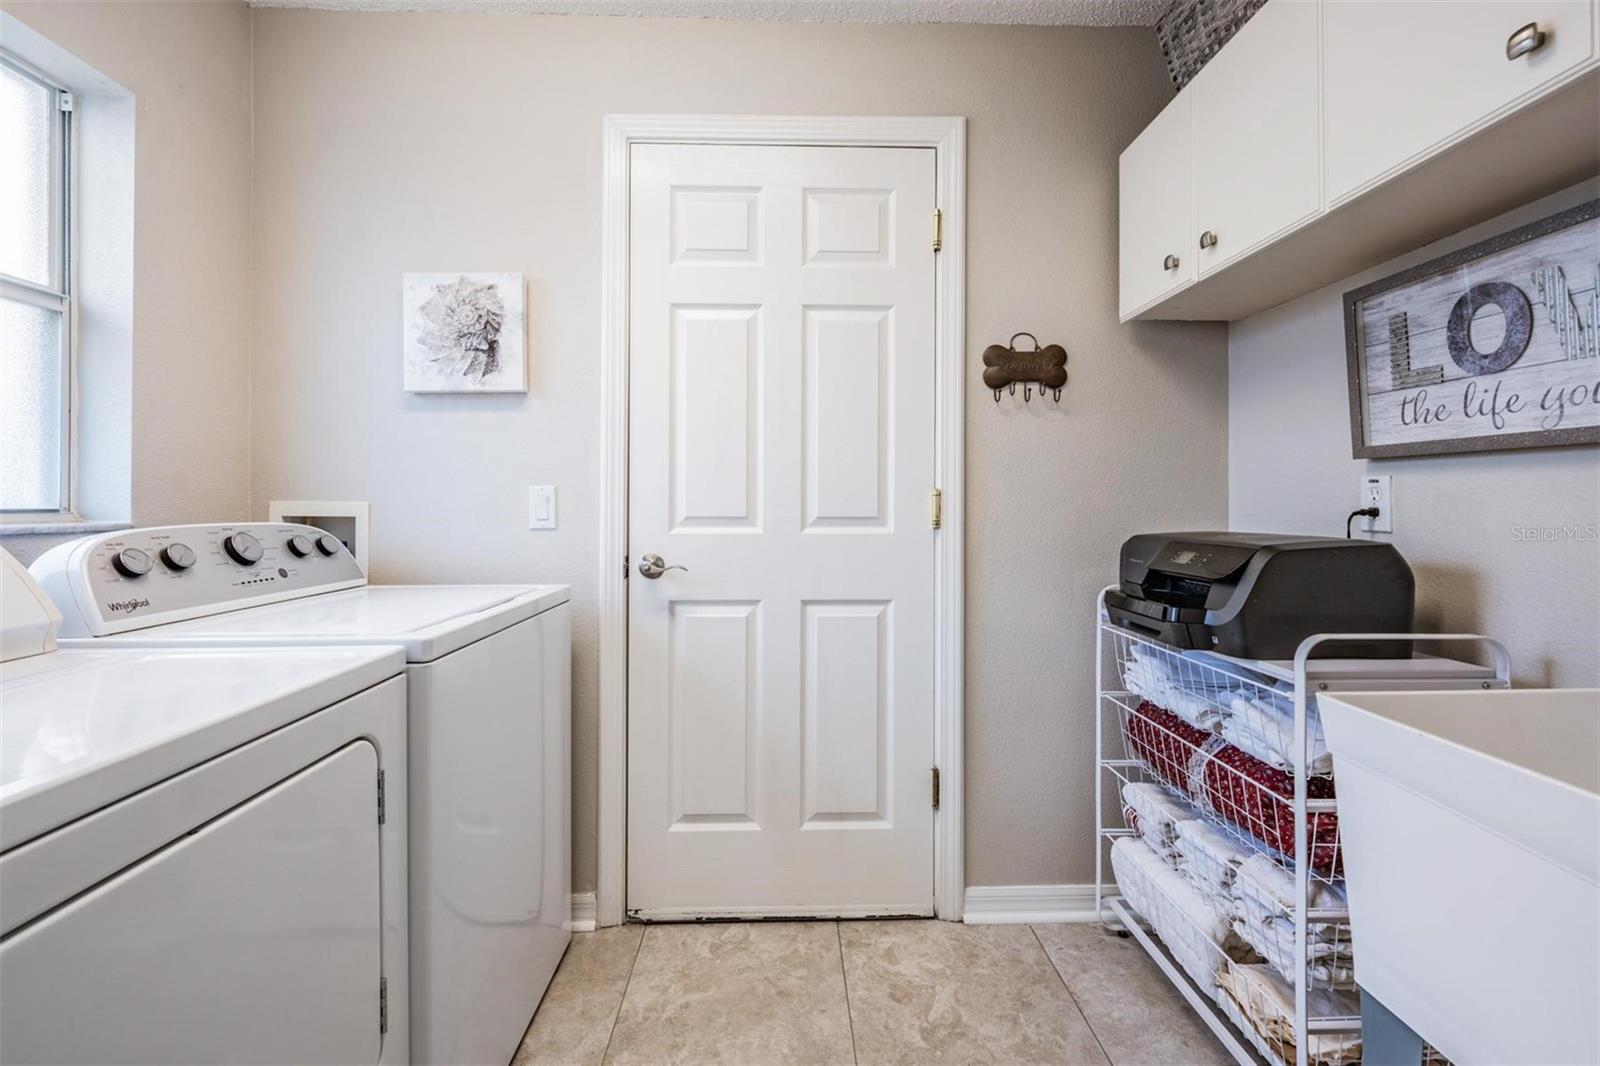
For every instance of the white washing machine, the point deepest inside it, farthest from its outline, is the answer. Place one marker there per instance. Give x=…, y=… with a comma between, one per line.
x=488, y=681
x=197, y=864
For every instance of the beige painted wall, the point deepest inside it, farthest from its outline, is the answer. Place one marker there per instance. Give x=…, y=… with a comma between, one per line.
x=439, y=142
x=189, y=66
x=1459, y=519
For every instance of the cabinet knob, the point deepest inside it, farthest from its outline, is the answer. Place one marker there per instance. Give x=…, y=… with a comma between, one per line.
x=1169, y=263
x=1529, y=38
x=1208, y=239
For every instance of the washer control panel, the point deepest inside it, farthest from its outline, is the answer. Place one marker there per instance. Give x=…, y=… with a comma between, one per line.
x=113, y=582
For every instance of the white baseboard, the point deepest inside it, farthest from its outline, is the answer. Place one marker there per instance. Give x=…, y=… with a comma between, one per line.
x=583, y=912
x=985, y=905
x=1016, y=904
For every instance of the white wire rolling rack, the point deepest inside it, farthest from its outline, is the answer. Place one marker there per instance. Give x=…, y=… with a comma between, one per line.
x=1286, y=832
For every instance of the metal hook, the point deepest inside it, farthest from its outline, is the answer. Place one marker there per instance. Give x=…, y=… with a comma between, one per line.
x=996, y=395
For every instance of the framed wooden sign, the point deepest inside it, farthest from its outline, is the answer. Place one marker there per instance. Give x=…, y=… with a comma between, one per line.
x=1494, y=347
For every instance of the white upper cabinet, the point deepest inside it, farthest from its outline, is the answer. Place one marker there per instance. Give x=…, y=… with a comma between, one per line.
x=1157, y=210
x=1406, y=76
x=1256, y=169
x=1331, y=135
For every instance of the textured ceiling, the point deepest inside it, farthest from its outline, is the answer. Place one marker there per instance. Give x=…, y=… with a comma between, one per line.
x=1000, y=12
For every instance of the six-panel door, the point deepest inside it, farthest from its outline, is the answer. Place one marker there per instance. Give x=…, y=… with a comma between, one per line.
x=781, y=441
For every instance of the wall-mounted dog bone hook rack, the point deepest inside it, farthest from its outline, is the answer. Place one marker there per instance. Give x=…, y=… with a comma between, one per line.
x=1004, y=368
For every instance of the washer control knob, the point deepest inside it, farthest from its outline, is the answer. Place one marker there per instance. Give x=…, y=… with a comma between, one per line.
x=299, y=545
x=132, y=562
x=178, y=556
x=242, y=548
x=328, y=544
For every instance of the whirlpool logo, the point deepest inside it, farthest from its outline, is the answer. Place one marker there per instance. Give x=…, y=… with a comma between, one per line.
x=127, y=606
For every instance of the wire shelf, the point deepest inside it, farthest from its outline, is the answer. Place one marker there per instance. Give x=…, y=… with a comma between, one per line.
x=1248, y=886
x=1226, y=969
x=1221, y=776
x=1254, y=1010
x=1225, y=739
x=1253, y=804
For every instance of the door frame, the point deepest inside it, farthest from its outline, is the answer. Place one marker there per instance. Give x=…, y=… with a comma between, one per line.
x=947, y=137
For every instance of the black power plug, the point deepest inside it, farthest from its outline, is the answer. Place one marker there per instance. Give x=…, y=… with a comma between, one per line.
x=1364, y=512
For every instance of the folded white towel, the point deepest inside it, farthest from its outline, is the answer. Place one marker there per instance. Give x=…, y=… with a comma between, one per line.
x=1263, y=895
x=1261, y=875
x=1267, y=1002
x=1200, y=939
x=1181, y=894
x=1263, y=725
x=1267, y=922
x=1210, y=858
x=1198, y=695
x=1129, y=873
x=1160, y=813
x=1329, y=963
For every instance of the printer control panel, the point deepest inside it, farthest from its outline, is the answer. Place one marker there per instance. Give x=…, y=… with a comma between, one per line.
x=138, y=577
x=1210, y=561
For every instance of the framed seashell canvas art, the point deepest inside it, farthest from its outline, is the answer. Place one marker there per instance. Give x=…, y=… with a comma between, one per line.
x=465, y=333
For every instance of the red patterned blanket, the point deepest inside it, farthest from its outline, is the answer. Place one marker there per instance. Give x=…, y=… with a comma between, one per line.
x=1250, y=794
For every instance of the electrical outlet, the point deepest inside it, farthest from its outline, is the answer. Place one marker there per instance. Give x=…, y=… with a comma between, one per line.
x=1377, y=491
x=541, y=507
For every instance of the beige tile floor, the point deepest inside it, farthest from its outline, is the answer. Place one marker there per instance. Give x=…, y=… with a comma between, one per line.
x=914, y=992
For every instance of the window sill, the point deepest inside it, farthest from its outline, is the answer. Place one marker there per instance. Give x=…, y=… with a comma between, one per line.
x=61, y=528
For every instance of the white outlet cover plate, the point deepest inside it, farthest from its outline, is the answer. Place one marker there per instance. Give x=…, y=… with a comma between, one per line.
x=1377, y=491
x=541, y=507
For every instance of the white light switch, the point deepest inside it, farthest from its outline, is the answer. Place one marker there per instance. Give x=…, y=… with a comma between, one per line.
x=541, y=507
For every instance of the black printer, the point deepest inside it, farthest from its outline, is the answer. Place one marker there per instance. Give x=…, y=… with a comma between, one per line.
x=1258, y=595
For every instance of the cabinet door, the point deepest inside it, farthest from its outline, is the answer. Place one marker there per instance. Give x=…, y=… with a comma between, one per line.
x=1255, y=134
x=1403, y=76
x=1156, y=210
x=254, y=938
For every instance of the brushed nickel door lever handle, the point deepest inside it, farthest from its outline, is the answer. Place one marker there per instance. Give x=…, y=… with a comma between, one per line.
x=653, y=566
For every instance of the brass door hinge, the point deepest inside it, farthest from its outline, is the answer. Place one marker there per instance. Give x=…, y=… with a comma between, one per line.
x=936, y=509
x=938, y=230
x=935, y=788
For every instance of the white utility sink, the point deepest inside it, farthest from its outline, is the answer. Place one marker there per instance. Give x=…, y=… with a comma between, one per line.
x=1470, y=824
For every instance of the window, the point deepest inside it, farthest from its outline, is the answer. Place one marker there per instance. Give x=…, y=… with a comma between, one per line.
x=35, y=293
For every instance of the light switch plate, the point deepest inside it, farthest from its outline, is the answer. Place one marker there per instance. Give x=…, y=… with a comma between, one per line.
x=541, y=507
x=1377, y=491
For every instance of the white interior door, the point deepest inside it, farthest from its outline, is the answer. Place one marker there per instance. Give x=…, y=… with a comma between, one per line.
x=781, y=443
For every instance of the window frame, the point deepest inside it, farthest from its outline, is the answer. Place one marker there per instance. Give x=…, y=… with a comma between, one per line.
x=58, y=294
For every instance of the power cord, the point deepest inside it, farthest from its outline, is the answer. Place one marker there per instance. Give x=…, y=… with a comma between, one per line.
x=1365, y=512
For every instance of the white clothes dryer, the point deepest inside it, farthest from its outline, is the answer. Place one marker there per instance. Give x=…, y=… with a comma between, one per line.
x=197, y=860
x=488, y=681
